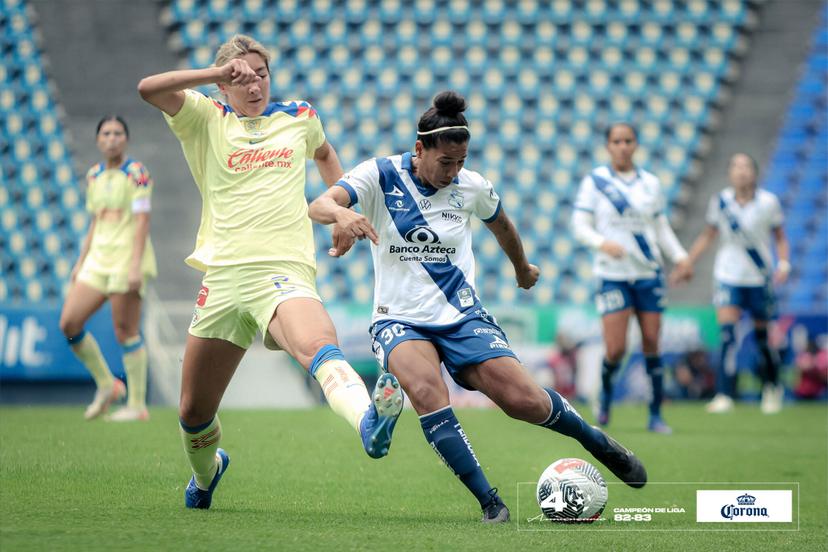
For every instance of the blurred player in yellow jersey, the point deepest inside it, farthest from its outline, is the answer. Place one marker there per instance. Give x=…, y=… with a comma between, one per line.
x=255, y=245
x=115, y=262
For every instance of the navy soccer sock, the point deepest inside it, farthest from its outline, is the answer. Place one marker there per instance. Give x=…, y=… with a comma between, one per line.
x=565, y=420
x=726, y=383
x=608, y=370
x=770, y=364
x=449, y=441
x=656, y=372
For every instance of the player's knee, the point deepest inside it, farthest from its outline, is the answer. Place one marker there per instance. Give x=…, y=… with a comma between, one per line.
x=193, y=414
x=70, y=327
x=615, y=353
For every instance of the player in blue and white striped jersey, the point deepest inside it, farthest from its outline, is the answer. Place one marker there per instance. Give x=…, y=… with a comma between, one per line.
x=417, y=211
x=746, y=218
x=619, y=213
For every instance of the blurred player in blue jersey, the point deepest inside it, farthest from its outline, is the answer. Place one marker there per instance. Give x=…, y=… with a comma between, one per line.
x=115, y=263
x=619, y=213
x=255, y=245
x=746, y=218
x=417, y=211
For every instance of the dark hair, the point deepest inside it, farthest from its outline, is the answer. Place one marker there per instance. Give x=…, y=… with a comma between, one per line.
x=446, y=111
x=112, y=118
x=611, y=127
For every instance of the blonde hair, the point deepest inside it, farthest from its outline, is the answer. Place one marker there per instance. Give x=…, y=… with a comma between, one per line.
x=239, y=46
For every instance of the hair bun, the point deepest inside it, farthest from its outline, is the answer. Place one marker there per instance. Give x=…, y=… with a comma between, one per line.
x=449, y=103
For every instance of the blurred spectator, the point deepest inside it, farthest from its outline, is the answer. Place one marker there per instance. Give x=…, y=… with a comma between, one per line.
x=695, y=378
x=812, y=367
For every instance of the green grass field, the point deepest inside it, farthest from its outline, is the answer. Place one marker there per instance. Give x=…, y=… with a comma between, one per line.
x=300, y=481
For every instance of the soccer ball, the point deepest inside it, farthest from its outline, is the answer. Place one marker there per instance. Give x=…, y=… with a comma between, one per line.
x=572, y=490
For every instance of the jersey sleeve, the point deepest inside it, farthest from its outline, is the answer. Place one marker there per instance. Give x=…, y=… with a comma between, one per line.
x=587, y=198
x=777, y=217
x=141, y=187
x=487, y=203
x=362, y=184
x=315, y=135
x=191, y=119
x=712, y=215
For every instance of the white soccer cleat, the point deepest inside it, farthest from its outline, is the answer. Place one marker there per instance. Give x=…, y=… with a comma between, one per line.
x=129, y=414
x=771, y=399
x=720, y=404
x=104, y=397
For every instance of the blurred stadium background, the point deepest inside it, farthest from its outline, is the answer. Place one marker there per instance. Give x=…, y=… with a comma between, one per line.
x=701, y=79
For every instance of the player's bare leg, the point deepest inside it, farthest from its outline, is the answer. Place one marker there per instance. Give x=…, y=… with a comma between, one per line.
x=83, y=301
x=614, y=327
x=417, y=366
x=302, y=327
x=126, y=318
x=208, y=366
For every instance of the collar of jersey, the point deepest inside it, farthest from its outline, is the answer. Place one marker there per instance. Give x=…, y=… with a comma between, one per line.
x=271, y=108
x=618, y=176
x=424, y=189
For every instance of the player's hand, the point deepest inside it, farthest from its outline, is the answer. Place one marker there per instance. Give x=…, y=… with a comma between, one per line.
x=134, y=279
x=356, y=225
x=527, y=277
x=682, y=272
x=780, y=276
x=237, y=72
x=342, y=241
x=613, y=249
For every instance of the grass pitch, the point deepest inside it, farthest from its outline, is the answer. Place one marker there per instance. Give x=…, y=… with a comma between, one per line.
x=300, y=481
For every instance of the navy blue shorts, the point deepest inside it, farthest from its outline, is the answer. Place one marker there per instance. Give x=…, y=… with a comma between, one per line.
x=640, y=295
x=759, y=301
x=470, y=341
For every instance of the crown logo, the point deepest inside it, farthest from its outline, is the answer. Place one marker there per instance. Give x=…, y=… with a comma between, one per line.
x=746, y=500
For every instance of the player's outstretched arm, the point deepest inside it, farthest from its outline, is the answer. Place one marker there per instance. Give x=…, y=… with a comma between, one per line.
x=507, y=236
x=332, y=208
x=704, y=240
x=166, y=90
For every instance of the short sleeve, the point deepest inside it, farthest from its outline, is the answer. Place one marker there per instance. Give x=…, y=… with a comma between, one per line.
x=712, y=215
x=315, y=134
x=777, y=217
x=487, y=203
x=141, y=187
x=191, y=119
x=362, y=183
x=586, y=199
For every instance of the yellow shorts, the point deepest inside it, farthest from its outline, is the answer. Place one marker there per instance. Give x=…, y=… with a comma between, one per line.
x=108, y=283
x=236, y=301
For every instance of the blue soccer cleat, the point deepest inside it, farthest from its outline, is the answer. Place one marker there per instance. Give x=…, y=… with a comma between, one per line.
x=378, y=423
x=657, y=425
x=195, y=497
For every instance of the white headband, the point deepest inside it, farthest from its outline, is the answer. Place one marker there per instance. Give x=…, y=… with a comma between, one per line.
x=441, y=129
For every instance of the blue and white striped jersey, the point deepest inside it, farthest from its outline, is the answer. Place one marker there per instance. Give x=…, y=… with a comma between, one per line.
x=423, y=266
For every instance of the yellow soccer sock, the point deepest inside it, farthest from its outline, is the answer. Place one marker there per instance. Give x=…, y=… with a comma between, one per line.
x=200, y=444
x=135, y=364
x=343, y=388
x=89, y=353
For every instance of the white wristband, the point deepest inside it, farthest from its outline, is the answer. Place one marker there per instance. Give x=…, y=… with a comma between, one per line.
x=783, y=266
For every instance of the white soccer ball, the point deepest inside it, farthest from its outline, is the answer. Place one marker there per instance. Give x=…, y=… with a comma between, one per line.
x=572, y=490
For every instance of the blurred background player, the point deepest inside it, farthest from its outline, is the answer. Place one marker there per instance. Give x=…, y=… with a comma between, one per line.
x=255, y=244
x=115, y=262
x=746, y=217
x=619, y=213
x=426, y=309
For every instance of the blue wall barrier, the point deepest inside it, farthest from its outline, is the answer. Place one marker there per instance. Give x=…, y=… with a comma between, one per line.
x=32, y=346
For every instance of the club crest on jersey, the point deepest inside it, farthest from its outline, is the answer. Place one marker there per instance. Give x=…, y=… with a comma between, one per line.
x=456, y=199
x=253, y=127
x=421, y=234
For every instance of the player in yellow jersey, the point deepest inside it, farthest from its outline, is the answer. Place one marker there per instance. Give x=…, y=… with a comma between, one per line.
x=255, y=245
x=115, y=262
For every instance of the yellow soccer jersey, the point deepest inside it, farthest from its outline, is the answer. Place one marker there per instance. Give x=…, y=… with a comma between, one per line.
x=250, y=172
x=113, y=196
